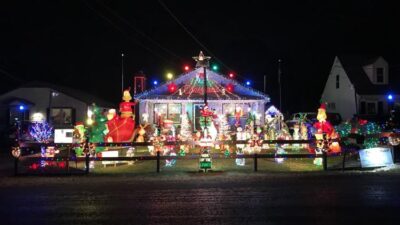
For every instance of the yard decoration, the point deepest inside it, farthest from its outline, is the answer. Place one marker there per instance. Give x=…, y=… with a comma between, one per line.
x=121, y=128
x=324, y=133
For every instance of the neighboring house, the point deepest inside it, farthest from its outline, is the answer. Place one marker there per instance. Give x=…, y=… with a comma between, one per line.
x=360, y=85
x=60, y=106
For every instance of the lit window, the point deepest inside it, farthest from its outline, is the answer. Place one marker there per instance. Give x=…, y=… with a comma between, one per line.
x=167, y=111
x=174, y=112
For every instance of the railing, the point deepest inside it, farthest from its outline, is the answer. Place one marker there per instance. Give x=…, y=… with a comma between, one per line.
x=87, y=159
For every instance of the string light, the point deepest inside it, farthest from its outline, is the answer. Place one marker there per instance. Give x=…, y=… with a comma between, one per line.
x=41, y=131
x=170, y=76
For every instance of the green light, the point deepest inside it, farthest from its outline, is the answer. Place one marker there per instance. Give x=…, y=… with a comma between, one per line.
x=215, y=67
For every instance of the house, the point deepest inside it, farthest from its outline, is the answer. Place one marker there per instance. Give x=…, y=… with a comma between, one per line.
x=360, y=85
x=185, y=95
x=37, y=101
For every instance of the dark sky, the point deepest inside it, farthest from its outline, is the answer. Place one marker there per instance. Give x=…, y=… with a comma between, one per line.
x=79, y=43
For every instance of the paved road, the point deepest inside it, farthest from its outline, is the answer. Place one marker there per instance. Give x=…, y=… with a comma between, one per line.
x=313, y=198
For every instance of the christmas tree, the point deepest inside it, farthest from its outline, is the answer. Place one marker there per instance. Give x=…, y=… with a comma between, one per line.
x=98, y=127
x=186, y=128
x=223, y=128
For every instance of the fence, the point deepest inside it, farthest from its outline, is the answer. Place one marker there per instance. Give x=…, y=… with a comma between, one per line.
x=157, y=158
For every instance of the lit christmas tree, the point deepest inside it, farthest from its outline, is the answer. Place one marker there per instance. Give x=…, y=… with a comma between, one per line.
x=96, y=131
x=41, y=131
x=224, y=133
x=186, y=128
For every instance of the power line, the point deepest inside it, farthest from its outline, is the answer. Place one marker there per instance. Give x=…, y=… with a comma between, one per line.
x=7, y=74
x=123, y=32
x=139, y=31
x=191, y=34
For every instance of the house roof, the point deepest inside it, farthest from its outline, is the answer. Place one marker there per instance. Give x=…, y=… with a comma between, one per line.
x=190, y=86
x=10, y=100
x=77, y=94
x=353, y=65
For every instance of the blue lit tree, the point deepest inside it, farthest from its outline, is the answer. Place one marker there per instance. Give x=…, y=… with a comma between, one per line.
x=41, y=131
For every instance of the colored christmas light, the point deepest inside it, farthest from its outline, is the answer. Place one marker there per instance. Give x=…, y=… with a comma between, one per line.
x=41, y=131
x=230, y=87
x=172, y=87
x=170, y=76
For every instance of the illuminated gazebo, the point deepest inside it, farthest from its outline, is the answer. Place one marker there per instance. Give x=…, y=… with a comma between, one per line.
x=185, y=94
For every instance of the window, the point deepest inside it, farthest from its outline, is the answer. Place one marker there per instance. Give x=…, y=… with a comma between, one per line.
x=160, y=112
x=163, y=111
x=228, y=108
x=362, y=108
x=174, y=112
x=337, y=81
x=17, y=115
x=62, y=116
x=379, y=75
x=371, y=108
x=380, y=108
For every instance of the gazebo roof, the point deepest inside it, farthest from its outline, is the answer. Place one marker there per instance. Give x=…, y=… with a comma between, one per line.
x=190, y=87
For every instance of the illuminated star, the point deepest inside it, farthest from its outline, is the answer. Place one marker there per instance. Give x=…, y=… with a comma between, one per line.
x=202, y=60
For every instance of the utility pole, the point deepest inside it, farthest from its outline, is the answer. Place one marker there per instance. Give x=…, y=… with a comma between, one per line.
x=265, y=84
x=122, y=72
x=203, y=61
x=280, y=84
x=205, y=85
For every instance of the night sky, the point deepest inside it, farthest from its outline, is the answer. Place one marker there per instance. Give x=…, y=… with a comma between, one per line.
x=79, y=43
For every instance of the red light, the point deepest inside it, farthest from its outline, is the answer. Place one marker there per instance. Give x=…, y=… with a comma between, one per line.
x=172, y=87
x=231, y=75
x=230, y=87
x=186, y=68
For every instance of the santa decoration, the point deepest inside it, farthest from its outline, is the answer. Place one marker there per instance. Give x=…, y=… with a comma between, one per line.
x=206, y=112
x=325, y=134
x=121, y=128
x=323, y=126
x=125, y=107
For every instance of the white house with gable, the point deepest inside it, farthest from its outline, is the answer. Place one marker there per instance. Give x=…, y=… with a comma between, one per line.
x=360, y=85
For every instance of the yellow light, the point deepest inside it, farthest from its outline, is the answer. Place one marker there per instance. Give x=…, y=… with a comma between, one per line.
x=38, y=117
x=170, y=76
x=89, y=121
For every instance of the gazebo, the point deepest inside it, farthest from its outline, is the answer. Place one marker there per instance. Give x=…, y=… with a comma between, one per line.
x=185, y=95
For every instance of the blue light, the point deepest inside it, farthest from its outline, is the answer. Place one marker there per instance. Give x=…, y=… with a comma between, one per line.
x=248, y=83
x=390, y=97
x=155, y=82
x=21, y=107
